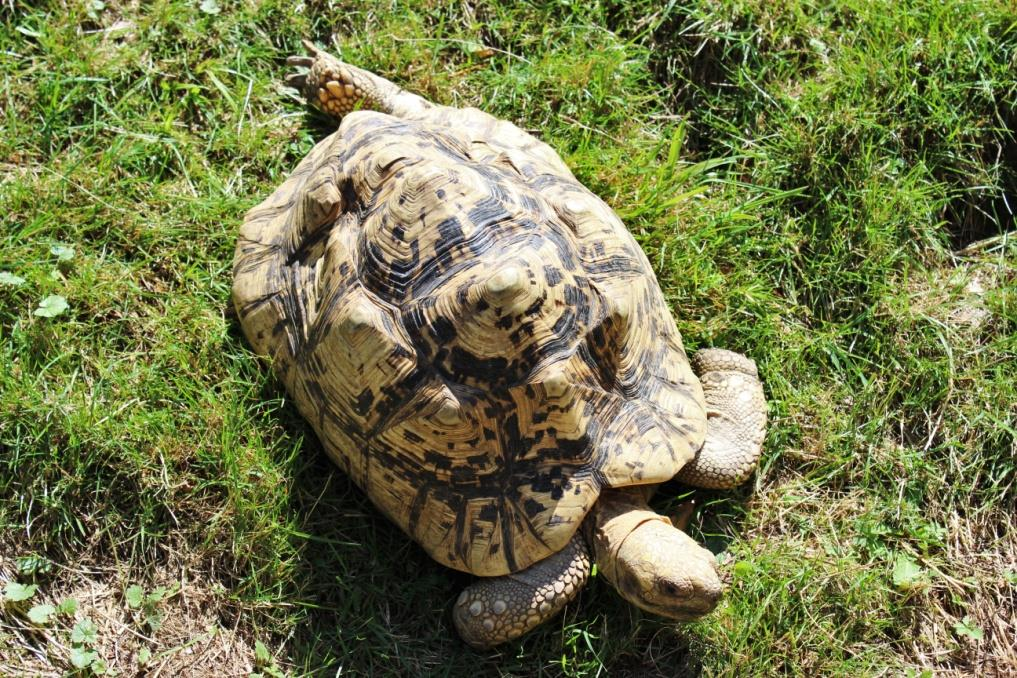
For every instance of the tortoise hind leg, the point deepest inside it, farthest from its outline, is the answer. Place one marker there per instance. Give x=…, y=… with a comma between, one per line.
x=736, y=420
x=494, y=610
x=339, y=88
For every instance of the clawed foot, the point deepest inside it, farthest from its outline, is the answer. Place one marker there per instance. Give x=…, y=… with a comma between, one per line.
x=302, y=61
x=339, y=88
x=736, y=420
x=497, y=609
x=330, y=84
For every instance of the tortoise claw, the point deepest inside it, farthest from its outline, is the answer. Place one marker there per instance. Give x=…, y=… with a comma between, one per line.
x=297, y=80
x=313, y=56
x=310, y=47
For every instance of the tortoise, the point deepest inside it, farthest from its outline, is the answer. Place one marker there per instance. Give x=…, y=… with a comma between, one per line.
x=481, y=345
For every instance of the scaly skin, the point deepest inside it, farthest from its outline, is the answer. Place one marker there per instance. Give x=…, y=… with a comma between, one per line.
x=339, y=88
x=497, y=609
x=736, y=420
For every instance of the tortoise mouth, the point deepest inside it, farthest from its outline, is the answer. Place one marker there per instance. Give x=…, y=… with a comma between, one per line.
x=686, y=610
x=683, y=600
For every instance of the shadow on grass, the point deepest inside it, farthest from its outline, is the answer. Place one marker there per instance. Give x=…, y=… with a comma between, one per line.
x=369, y=600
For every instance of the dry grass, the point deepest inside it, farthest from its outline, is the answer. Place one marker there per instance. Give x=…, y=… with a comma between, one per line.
x=190, y=638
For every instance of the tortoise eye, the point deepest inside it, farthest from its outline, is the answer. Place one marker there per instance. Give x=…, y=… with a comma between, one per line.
x=674, y=590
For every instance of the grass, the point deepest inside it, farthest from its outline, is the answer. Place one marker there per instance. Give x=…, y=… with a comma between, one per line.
x=827, y=187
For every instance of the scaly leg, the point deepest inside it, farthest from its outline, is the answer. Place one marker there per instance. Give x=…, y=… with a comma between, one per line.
x=497, y=609
x=736, y=420
x=339, y=88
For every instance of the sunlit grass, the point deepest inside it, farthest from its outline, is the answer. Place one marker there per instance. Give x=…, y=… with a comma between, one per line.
x=828, y=189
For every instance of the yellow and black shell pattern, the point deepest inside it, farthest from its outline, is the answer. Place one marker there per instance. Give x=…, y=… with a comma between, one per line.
x=474, y=336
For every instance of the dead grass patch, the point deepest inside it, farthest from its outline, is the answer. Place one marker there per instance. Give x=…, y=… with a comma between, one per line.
x=185, y=634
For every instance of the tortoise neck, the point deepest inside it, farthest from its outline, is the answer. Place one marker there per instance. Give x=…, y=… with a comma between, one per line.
x=617, y=513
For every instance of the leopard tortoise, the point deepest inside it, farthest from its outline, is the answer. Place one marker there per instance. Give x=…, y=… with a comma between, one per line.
x=482, y=346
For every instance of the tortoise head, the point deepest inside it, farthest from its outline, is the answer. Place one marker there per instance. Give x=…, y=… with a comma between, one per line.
x=653, y=564
x=662, y=570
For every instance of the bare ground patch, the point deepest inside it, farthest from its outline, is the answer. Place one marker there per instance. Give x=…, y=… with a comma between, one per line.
x=967, y=621
x=180, y=634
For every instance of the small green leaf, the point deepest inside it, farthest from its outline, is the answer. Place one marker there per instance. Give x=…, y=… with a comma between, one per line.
x=154, y=620
x=62, y=252
x=33, y=564
x=157, y=594
x=98, y=667
x=81, y=658
x=135, y=596
x=11, y=279
x=209, y=7
x=470, y=48
x=144, y=656
x=907, y=574
x=68, y=606
x=85, y=632
x=51, y=306
x=743, y=568
x=15, y=592
x=966, y=627
x=93, y=8
x=262, y=656
x=40, y=614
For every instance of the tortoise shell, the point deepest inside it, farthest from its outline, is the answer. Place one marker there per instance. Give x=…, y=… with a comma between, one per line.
x=473, y=335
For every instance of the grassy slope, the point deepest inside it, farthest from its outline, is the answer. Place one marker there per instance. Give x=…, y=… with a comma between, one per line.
x=808, y=180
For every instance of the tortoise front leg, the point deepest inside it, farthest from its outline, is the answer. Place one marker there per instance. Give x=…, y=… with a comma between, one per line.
x=497, y=609
x=339, y=88
x=735, y=424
